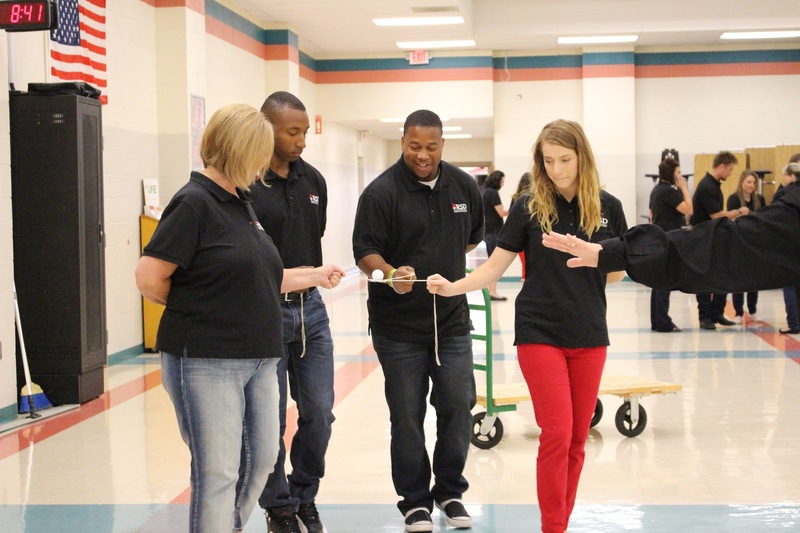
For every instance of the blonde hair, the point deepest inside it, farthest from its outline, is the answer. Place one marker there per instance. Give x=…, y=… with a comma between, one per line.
x=746, y=173
x=542, y=204
x=238, y=141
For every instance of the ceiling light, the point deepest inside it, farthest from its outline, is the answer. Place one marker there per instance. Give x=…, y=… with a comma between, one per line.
x=457, y=136
x=760, y=34
x=418, y=21
x=424, y=45
x=599, y=39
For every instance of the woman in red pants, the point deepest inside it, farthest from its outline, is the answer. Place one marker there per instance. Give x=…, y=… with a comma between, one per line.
x=560, y=320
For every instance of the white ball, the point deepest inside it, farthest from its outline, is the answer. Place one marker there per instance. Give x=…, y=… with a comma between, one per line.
x=377, y=274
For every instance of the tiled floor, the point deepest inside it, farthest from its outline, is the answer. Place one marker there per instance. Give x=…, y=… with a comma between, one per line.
x=722, y=455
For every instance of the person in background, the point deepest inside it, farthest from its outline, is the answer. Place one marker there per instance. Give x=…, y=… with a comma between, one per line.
x=707, y=205
x=670, y=204
x=790, y=178
x=494, y=213
x=560, y=318
x=420, y=216
x=291, y=204
x=523, y=187
x=219, y=274
x=746, y=196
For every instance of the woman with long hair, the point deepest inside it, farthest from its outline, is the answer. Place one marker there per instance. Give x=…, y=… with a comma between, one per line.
x=746, y=196
x=560, y=319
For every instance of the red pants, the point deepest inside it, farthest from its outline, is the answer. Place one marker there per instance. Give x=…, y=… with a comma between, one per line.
x=563, y=383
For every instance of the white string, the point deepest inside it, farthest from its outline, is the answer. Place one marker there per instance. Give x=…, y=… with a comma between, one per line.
x=435, y=320
x=331, y=324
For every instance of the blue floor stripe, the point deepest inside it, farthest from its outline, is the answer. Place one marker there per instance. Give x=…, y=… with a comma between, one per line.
x=379, y=518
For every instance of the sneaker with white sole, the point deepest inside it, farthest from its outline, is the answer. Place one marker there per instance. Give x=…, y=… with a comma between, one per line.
x=418, y=520
x=455, y=514
x=738, y=319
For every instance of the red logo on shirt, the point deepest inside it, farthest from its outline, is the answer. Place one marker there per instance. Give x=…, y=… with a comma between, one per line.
x=313, y=199
x=459, y=208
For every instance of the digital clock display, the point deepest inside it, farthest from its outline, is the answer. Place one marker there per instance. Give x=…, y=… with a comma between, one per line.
x=28, y=16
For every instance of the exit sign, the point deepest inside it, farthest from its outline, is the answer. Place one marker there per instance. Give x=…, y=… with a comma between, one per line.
x=419, y=57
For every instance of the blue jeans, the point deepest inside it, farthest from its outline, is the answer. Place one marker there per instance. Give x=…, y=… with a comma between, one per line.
x=224, y=406
x=408, y=369
x=310, y=380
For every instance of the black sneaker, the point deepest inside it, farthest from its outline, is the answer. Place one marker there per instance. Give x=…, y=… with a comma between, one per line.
x=455, y=514
x=282, y=522
x=308, y=518
x=707, y=324
x=419, y=520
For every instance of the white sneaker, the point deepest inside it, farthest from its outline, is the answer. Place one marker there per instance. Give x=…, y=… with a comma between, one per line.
x=753, y=317
x=737, y=319
x=418, y=520
x=455, y=514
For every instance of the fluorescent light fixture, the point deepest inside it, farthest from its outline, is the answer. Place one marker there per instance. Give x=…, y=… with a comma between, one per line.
x=426, y=45
x=457, y=136
x=418, y=21
x=760, y=34
x=599, y=39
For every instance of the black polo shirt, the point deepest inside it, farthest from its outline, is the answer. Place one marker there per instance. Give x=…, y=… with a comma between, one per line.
x=735, y=203
x=558, y=305
x=707, y=199
x=293, y=212
x=408, y=223
x=228, y=277
x=664, y=200
x=491, y=199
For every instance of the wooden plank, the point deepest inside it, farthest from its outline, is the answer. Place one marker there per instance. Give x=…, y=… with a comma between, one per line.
x=622, y=386
x=506, y=394
x=628, y=386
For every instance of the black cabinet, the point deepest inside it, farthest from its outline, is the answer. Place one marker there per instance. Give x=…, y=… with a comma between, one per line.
x=59, y=263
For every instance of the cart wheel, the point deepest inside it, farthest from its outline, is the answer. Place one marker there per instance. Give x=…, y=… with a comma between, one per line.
x=623, y=420
x=489, y=440
x=598, y=413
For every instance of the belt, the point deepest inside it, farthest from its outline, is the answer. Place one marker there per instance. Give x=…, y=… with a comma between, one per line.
x=297, y=295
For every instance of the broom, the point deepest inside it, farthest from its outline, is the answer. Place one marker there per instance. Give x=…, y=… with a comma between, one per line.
x=32, y=397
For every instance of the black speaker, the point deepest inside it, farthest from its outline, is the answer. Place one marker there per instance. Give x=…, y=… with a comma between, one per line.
x=59, y=260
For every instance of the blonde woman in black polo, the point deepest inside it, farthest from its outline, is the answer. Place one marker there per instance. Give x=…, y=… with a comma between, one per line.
x=219, y=275
x=560, y=325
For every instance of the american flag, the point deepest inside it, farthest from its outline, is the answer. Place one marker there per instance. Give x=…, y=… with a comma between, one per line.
x=78, y=46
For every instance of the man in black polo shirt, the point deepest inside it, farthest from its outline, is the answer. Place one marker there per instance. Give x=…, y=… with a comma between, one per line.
x=292, y=209
x=419, y=217
x=707, y=205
